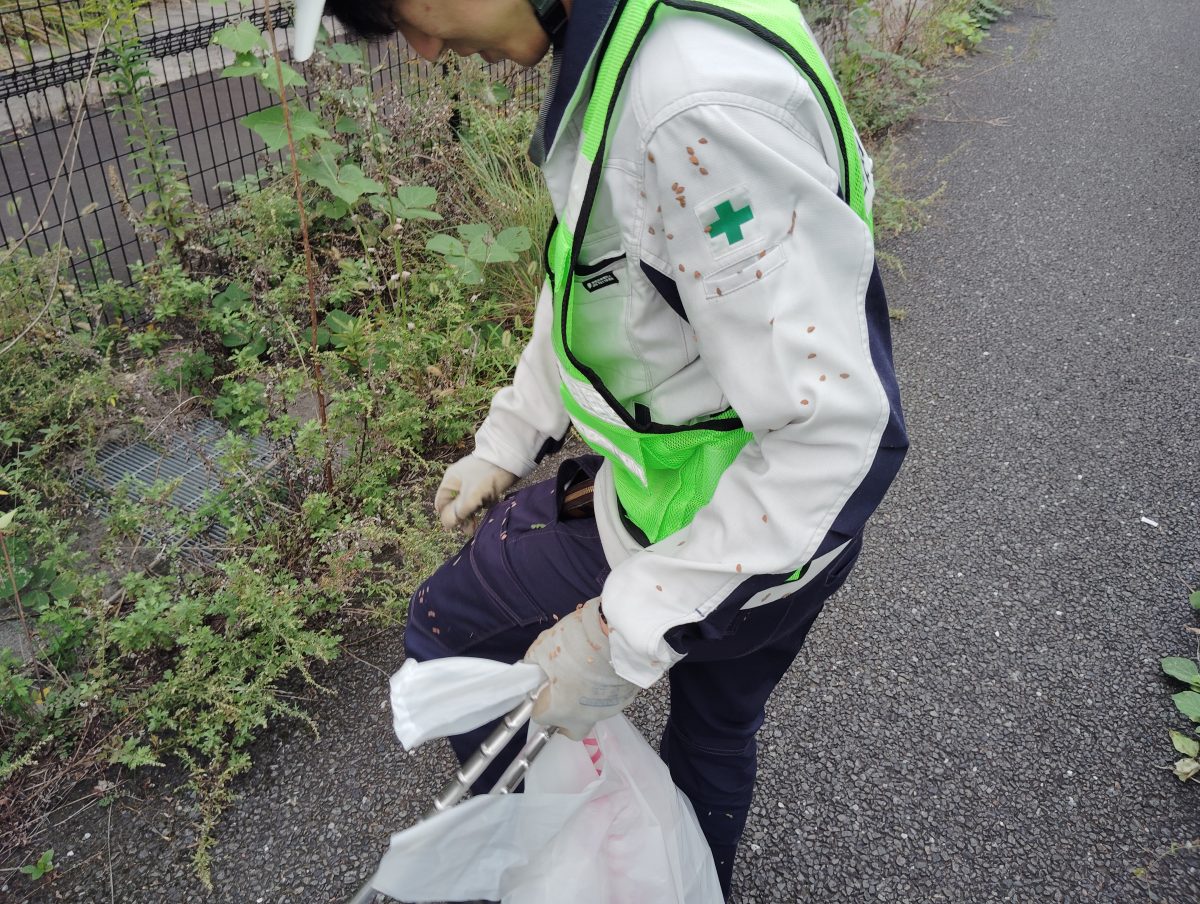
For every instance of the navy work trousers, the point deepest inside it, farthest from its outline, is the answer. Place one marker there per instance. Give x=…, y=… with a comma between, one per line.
x=526, y=566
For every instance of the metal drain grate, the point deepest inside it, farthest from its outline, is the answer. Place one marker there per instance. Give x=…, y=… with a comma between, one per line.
x=190, y=455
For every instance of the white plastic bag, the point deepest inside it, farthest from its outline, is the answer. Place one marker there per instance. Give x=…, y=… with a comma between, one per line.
x=600, y=821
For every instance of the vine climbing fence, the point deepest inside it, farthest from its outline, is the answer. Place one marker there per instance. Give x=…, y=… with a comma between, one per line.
x=64, y=164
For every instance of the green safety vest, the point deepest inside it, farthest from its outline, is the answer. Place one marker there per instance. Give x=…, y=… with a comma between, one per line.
x=664, y=473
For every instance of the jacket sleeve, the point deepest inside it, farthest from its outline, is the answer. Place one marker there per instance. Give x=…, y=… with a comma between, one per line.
x=773, y=271
x=527, y=419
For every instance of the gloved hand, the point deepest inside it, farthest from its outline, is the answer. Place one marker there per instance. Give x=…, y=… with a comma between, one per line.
x=584, y=688
x=467, y=486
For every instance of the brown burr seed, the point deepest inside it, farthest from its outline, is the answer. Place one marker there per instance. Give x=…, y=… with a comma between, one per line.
x=652, y=230
x=812, y=355
x=844, y=376
x=679, y=188
x=675, y=187
x=762, y=254
x=696, y=274
x=822, y=378
x=810, y=329
x=658, y=587
x=771, y=322
x=650, y=156
x=682, y=268
x=719, y=292
x=804, y=401
x=436, y=630
x=765, y=519
x=670, y=235
x=758, y=274
x=694, y=160
x=704, y=141
x=659, y=208
x=708, y=230
x=691, y=151
x=739, y=567
x=682, y=201
x=703, y=171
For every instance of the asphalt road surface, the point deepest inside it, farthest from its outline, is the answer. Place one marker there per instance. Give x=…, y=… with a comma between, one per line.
x=978, y=716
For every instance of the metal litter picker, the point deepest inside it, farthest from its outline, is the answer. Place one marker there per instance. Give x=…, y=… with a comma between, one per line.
x=456, y=788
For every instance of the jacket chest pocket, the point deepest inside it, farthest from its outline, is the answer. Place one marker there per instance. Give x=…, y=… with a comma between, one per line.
x=600, y=324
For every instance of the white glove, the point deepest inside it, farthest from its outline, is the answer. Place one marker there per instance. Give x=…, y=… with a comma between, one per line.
x=583, y=688
x=467, y=486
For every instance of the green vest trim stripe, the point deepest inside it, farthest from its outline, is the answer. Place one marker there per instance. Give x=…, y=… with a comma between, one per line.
x=664, y=473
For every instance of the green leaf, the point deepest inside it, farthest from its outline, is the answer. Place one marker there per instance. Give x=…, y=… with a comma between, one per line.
x=37, y=600
x=1186, y=768
x=475, y=232
x=1188, y=703
x=347, y=126
x=7, y=518
x=346, y=54
x=416, y=195
x=268, y=124
x=346, y=183
x=63, y=587
x=446, y=245
x=22, y=575
x=334, y=210
x=1182, y=670
x=1194, y=599
x=339, y=322
x=240, y=38
x=1186, y=745
x=515, y=238
x=270, y=77
x=244, y=64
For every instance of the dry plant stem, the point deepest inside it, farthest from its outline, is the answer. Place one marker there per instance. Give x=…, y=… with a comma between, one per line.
x=318, y=381
x=16, y=594
x=62, y=220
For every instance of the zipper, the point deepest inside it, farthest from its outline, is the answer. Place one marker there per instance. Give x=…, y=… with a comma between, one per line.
x=537, y=144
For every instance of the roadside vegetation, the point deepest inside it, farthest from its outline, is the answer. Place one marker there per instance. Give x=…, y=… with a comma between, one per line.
x=360, y=333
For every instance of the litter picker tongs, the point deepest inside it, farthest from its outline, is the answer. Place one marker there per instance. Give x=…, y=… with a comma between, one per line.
x=456, y=788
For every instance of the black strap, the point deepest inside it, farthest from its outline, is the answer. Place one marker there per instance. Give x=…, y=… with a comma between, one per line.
x=552, y=16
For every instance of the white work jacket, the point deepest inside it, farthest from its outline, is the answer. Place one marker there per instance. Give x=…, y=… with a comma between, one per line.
x=784, y=321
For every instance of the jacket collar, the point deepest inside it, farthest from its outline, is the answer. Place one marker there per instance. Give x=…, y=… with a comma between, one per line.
x=572, y=53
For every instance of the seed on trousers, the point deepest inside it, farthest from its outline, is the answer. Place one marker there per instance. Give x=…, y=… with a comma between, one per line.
x=691, y=151
x=704, y=141
x=811, y=355
x=810, y=329
x=844, y=376
x=822, y=378
x=694, y=160
x=703, y=171
x=650, y=156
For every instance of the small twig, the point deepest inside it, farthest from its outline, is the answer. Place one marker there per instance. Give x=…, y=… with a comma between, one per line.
x=357, y=658
x=169, y=413
x=112, y=896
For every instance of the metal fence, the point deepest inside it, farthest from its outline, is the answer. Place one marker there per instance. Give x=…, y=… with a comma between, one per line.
x=63, y=160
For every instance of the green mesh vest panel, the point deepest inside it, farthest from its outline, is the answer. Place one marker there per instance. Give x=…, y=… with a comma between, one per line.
x=664, y=473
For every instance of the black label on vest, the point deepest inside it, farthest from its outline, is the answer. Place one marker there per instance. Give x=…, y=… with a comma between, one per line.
x=599, y=282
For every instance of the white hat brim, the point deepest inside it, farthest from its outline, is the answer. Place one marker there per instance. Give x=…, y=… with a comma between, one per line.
x=307, y=23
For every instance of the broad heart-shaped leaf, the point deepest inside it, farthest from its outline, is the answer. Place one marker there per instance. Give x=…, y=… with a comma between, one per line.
x=347, y=183
x=346, y=54
x=1194, y=599
x=339, y=322
x=232, y=298
x=1188, y=703
x=63, y=587
x=1186, y=768
x=23, y=576
x=417, y=195
x=347, y=125
x=515, y=238
x=473, y=232
x=269, y=126
x=395, y=209
x=244, y=64
x=335, y=209
x=270, y=77
x=445, y=244
x=240, y=38
x=1182, y=670
x=1184, y=744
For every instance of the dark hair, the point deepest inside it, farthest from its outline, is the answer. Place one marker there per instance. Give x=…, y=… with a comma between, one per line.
x=365, y=18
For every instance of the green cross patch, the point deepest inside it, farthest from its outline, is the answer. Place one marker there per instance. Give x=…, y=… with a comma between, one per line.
x=729, y=222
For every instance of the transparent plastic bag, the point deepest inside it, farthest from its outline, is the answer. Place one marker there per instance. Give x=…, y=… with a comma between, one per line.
x=600, y=821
